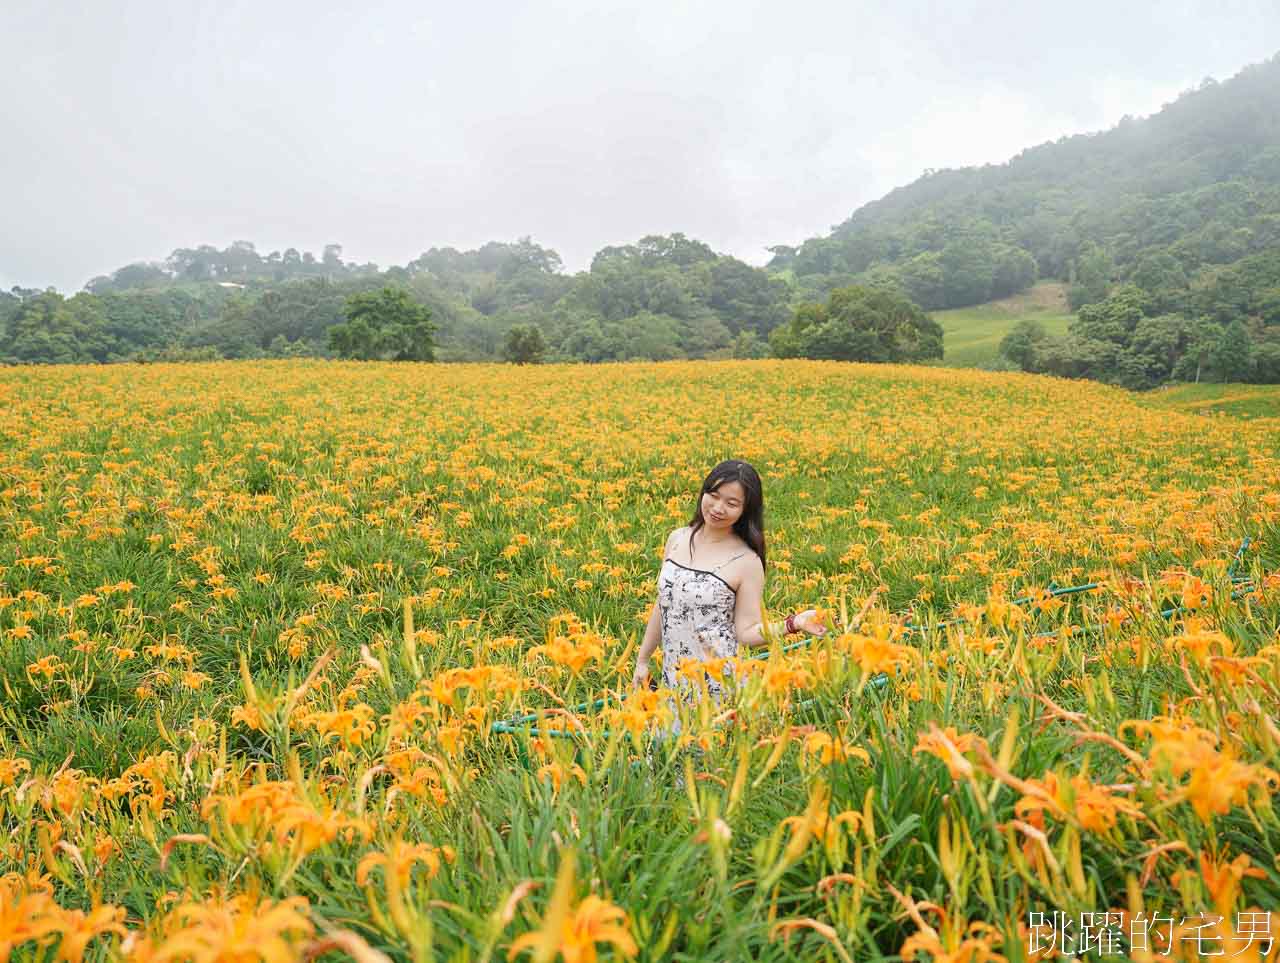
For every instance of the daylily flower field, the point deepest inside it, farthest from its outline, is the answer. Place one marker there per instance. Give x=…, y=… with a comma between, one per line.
x=264, y=628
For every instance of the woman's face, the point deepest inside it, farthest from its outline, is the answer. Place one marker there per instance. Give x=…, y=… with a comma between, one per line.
x=722, y=507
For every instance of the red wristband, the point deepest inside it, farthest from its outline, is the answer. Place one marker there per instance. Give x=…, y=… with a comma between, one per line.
x=791, y=624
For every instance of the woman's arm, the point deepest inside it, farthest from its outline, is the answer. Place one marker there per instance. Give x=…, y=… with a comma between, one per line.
x=652, y=632
x=748, y=612
x=652, y=637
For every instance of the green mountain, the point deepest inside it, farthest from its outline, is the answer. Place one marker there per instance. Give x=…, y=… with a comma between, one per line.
x=1185, y=204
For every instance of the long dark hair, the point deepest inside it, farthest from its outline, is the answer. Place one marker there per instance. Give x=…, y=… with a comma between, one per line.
x=750, y=524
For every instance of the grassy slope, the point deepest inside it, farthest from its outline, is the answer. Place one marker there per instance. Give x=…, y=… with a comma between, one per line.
x=972, y=335
x=1239, y=400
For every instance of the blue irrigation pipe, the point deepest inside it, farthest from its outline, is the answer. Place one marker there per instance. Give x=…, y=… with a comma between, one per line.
x=520, y=724
x=532, y=716
x=1074, y=589
x=1167, y=613
x=510, y=728
x=1239, y=555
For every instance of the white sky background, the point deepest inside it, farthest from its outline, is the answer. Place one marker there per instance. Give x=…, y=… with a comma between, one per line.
x=392, y=126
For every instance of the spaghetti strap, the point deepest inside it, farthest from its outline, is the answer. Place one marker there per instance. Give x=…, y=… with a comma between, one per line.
x=689, y=549
x=727, y=561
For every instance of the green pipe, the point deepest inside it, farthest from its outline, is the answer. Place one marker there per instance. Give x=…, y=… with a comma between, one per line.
x=598, y=704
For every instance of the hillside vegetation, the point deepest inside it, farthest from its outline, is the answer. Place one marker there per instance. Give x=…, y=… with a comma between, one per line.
x=1166, y=202
x=664, y=297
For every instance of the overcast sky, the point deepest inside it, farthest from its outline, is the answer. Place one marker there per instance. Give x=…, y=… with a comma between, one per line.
x=391, y=126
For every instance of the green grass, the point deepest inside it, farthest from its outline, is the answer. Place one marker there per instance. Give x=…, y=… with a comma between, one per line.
x=971, y=336
x=1237, y=400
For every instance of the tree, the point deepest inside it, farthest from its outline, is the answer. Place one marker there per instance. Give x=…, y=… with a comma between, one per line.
x=1232, y=356
x=1156, y=346
x=783, y=255
x=1118, y=340
x=741, y=295
x=705, y=336
x=1113, y=319
x=1073, y=356
x=386, y=325
x=1205, y=335
x=1266, y=362
x=1015, y=270
x=1021, y=344
x=922, y=279
x=525, y=255
x=51, y=329
x=647, y=336
x=1269, y=305
x=1161, y=276
x=657, y=249
x=860, y=323
x=525, y=344
x=586, y=341
x=1094, y=271
x=135, y=275
x=749, y=345
x=968, y=271
x=332, y=258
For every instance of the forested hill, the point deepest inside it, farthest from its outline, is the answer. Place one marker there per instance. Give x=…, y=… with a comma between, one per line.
x=1164, y=201
x=663, y=297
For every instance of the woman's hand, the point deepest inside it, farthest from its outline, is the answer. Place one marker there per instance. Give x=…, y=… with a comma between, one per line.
x=640, y=678
x=808, y=621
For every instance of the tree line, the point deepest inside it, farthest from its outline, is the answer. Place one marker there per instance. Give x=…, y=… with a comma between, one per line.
x=1138, y=340
x=663, y=297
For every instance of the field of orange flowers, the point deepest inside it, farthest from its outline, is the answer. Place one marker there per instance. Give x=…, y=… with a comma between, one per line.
x=258, y=622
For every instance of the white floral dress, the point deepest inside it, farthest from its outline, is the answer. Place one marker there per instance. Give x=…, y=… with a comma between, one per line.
x=696, y=609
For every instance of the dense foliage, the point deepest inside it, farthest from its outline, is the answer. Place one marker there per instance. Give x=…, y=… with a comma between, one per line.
x=663, y=297
x=1133, y=339
x=384, y=325
x=860, y=324
x=525, y=345
x=238, y=263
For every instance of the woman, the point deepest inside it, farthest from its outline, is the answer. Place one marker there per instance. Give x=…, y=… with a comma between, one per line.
x=711, y=583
